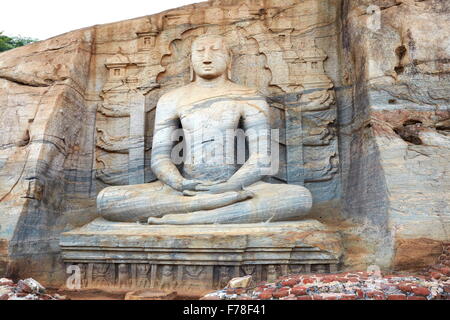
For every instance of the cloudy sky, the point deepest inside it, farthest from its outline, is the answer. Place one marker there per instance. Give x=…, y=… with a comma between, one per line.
x=43, y=19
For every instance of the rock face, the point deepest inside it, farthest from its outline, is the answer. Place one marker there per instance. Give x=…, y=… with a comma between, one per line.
x=394, y=127
x=358, y=89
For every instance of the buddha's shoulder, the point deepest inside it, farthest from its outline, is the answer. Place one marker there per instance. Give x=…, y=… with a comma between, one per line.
x=174, y=94
x=231, y=88
x=244, y=91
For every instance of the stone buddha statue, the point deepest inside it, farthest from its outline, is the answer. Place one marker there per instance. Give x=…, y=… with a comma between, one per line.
x=210, y=189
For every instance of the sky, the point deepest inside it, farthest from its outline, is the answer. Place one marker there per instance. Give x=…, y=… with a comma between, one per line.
x=43, y=19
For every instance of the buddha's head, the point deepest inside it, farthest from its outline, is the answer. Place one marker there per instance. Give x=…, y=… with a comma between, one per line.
x=210, y=57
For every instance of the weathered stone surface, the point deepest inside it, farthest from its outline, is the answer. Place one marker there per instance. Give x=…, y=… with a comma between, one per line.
x=45, y=143
x=189, y=258
x=150, y=295
x=393, y=134
x=367, y=134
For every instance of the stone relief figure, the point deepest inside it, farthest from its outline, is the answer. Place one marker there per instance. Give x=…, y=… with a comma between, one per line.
x=224, y=277
x=272, y=273
x=167, y=277
x=123, y=276
x=101, y=275
x=142, y=280
x=210, y=189
x=193, y=276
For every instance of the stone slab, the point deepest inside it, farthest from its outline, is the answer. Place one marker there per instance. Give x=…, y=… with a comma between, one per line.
x=128, y=255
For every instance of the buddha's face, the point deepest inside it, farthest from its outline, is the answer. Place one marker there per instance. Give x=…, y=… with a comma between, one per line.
x=210, y=57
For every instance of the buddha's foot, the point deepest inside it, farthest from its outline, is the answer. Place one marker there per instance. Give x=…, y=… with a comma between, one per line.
x=155, y=221
x=245, y=195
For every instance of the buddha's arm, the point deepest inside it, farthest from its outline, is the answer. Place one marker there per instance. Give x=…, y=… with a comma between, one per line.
x=165, y=125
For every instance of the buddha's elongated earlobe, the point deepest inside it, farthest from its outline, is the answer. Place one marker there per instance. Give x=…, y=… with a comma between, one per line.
x=229, y=70
x=191, y=73
x=229, y=65
x=191, y=70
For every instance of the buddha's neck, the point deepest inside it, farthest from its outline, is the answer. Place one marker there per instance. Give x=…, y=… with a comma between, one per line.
x=211, y=83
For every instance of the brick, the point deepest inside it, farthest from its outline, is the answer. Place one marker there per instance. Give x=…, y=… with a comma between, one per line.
x=342, y=279
x=447, y=289
x=436, y=275
x=397, y=297
x=4, y=297
x=416, y=298
x=23, y=287
x=421, y=291
x=317, y=297
x=6, y=282
x=289, y=283
x=348, y=297
x=359, y=293
x=371, y=294
x=328, y=279
x=281, y=293
x=304, y=298
x=331, y=298
x=261, y=288
x=405, y=287
x=307, y=281
x=445, y=270
x=21, y=294
x=388, y=286
x=265, y=296
x=299, y=291
x=240, y=291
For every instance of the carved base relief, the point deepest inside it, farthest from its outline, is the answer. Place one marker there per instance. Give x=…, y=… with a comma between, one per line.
x=184, y=278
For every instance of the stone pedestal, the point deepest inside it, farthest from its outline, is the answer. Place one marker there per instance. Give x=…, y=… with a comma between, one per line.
x=195, y=258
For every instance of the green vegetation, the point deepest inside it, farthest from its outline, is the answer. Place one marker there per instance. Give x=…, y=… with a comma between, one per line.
x=8, y=43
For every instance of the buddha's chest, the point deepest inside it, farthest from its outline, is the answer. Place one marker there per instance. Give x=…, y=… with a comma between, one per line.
x=220, y=114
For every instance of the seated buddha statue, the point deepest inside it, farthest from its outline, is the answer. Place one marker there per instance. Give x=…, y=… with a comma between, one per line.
x=206, y=189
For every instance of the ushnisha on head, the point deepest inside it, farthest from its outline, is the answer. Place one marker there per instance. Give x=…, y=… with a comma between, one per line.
x=210, y=57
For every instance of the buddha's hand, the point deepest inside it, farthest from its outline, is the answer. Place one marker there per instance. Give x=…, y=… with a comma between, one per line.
x=192, y=187
x=218, y=188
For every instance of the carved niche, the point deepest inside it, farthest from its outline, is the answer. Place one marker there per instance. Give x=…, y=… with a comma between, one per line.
x=272, y=51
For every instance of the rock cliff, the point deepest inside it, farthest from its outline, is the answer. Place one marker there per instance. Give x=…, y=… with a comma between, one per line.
x=359, y=90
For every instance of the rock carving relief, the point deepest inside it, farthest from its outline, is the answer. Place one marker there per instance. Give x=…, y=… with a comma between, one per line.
x=272, y=273
x=182, y=277
x=167, y=277
x=272, y=51
x=223, y=275
x=103, y=275
x=143, y=276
